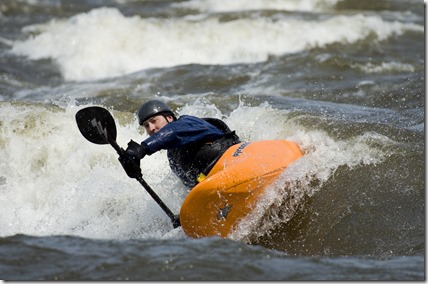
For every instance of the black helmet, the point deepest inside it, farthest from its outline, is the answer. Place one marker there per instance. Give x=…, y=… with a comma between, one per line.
x=152, y=108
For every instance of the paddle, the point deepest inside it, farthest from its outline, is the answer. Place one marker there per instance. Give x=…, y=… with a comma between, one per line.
x=97, y=125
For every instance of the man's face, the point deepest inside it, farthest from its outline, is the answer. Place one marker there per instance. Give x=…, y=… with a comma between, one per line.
x=156, y=123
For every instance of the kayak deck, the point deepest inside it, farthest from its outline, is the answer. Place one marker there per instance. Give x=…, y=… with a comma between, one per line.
x=231, y=189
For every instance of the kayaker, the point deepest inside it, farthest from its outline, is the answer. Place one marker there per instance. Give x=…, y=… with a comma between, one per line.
x=194, y=144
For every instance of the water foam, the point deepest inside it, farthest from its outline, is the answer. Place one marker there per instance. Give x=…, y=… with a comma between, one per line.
x=103, y=43
x=243, y=5
x=384, y=67
x=53, y=181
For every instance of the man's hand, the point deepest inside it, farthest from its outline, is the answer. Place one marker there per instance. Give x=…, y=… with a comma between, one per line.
x=131, y=168
x=130, y=160
x=136, y=151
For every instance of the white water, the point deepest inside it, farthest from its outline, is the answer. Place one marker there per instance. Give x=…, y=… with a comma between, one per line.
x=53, y=181
x=243, y=5
x=103, y=43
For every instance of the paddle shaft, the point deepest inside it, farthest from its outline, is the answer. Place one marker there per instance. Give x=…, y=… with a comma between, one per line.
x=174, y=218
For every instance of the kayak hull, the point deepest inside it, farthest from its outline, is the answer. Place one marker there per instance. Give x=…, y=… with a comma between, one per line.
x=231, y=189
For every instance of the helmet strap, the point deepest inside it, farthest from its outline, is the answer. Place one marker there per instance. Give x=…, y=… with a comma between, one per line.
x=166, y=118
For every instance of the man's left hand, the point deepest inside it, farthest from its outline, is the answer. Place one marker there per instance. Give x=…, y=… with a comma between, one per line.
x=136, y=151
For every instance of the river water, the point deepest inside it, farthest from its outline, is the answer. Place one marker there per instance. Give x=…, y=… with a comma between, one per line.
x=344, y=79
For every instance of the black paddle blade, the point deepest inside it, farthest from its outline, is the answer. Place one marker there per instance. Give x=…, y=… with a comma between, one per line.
x=96, y=124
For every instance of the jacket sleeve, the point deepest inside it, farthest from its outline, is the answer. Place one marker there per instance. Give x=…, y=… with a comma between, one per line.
x=185, y=130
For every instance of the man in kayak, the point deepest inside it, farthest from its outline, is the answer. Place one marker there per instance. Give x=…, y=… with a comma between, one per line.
x=194, y=144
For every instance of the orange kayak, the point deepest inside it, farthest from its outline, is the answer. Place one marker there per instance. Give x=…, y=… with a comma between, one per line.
x=231, y=189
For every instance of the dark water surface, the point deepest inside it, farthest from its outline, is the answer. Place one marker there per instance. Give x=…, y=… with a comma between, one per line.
x=344, y=79
x=64, y=258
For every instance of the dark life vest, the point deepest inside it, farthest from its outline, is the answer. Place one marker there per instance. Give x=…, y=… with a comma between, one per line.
x=189, y=161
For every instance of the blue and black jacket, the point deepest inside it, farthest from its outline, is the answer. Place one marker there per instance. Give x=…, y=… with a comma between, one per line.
x=194, y=145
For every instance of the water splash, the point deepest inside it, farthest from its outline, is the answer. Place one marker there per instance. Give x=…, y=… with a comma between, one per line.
x=323, y=156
